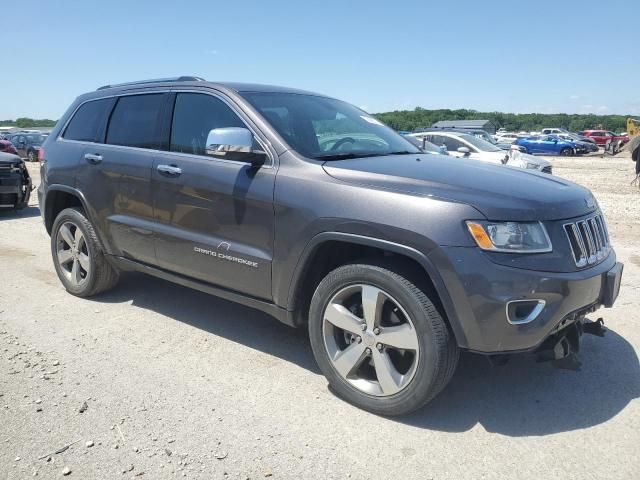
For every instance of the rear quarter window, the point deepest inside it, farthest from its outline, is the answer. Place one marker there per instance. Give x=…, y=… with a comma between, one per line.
x=135, y=121
x=87, y=123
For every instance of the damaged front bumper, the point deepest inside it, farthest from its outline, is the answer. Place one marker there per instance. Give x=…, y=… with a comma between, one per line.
x=15, y=188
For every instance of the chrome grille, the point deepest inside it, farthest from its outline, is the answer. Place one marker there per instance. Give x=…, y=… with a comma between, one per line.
x=589, y=240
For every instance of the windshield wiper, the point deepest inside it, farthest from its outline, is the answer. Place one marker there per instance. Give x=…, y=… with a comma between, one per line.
x=349, y=155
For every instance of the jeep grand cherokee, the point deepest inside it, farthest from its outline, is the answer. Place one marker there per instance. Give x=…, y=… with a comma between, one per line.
x=312, y=210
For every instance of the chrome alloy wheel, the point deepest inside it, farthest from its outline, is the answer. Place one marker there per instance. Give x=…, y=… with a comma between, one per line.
x=371, y=340
x=72, y=253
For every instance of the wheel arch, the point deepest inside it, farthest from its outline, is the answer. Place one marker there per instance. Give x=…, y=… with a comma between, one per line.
x=328, y=250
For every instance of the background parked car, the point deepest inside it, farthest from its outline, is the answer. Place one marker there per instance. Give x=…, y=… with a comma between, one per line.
x=602, y=137
x=465, y=145
x=28, y=144
x=583, y=146
x=476, y=132
x=548, y=144
x=505, y=137
x=7, y=147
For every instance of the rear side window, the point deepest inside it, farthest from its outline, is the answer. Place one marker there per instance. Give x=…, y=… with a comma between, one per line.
x=87, y=123
x=134, y=121
x=194, y=115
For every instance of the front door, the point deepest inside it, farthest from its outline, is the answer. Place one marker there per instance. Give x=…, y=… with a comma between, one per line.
x=215, y=218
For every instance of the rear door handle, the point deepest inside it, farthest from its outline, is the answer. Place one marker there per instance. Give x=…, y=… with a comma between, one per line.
x=92, y=158
x=170, y=170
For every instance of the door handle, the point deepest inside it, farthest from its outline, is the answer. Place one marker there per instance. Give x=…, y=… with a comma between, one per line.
x=170, y=170
x=92, y=158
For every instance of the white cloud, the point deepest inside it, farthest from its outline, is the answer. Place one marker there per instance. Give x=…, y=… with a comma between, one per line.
x=574, y=97
x=587, y=107
x=603, y=108
x=212, y=52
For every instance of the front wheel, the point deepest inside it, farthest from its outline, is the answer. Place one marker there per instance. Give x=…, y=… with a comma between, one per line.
x=379, y=339
x=32, y=156
x=77, y=256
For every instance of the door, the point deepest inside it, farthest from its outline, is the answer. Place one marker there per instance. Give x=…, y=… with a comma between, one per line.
x=116, y=175
x=215, y=218
x=21, y=145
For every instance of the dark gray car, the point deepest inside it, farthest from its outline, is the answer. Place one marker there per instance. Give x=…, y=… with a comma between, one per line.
x=308, y=208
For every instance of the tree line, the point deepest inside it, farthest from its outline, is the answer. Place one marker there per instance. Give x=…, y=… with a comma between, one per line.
x=25, y=122
x=513, y=122
x=421, y=117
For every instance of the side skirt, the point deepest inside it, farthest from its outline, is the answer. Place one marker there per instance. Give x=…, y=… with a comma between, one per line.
x=272, y=309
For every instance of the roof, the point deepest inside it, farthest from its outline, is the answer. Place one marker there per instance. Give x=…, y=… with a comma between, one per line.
x=237, y=87
x=461, y=123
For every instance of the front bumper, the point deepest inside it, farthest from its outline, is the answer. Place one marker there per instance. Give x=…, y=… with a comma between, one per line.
x=480, y=291
x=15, y=191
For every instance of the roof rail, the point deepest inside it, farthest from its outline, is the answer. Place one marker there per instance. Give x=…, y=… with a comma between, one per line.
x=184, y=78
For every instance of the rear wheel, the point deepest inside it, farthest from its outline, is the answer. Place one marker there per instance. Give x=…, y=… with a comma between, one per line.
x=78, y=258
x=379, y=339
x=32, y=156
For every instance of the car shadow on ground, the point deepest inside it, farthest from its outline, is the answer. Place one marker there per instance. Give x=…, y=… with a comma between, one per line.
x=220, y=317
x=11, y=214
x=522, y=398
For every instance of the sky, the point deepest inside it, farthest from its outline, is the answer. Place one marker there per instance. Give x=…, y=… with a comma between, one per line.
x=511, y=56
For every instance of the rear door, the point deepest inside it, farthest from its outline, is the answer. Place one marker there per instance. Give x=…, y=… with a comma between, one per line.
x=116, y=175
x=215, y=217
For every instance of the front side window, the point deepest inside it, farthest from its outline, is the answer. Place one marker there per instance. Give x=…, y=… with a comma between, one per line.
x=327, y=129
x=194, y=116
x=134, y=121
x=480, y=144
x=86, y=123
x=453, y=144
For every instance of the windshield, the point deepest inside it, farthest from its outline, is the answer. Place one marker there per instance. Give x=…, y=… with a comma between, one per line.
x=480, y=144
x=325, y=128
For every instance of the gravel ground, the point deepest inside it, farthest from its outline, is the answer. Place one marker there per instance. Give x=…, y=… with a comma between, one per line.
x=153, y=380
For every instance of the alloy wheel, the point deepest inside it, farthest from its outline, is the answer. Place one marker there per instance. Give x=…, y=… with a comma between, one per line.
x=370, y=339
x=72, y=253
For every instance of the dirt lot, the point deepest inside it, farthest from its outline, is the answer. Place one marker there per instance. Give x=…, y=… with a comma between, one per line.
x=166, y=382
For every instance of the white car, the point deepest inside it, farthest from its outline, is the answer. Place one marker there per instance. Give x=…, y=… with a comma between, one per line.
x=469, y=146
x=505, y=137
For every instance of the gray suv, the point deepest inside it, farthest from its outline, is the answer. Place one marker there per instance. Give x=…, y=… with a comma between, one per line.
x=310, y=209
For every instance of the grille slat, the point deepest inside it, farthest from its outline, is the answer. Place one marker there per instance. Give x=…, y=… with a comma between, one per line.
x=589, y=240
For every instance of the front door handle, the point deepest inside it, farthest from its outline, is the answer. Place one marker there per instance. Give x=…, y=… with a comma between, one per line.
x=92, y=158
x=170, y=170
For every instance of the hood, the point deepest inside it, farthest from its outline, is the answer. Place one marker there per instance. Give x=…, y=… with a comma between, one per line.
x=9, y=158
x=497, y=191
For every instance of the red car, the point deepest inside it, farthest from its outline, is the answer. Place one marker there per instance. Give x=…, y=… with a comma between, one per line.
x=602, y=137
x=7, y=147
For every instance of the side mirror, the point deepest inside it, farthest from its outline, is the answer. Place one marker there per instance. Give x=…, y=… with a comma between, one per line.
x=464, y=150
x=234, y=143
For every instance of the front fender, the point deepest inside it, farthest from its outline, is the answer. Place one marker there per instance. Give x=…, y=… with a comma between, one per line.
x=422, y=259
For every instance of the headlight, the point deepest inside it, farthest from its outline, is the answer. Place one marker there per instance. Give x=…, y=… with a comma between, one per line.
x=511, y=237
x=16, y=169
x=533, y=165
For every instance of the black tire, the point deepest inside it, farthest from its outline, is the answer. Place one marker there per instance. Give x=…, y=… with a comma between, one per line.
x=102, y=276
x=32, y=156
x=566, y=152
x=439, y=352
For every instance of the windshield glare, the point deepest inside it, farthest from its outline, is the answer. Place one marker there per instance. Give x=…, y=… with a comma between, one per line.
x=481, y=144
x=319, y=127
